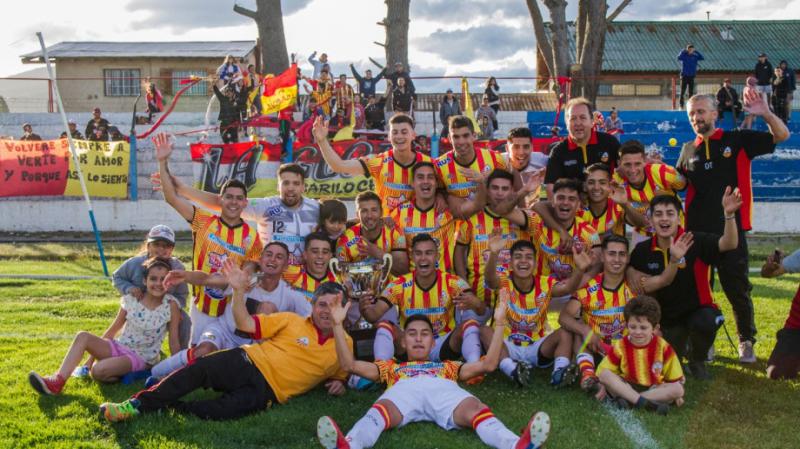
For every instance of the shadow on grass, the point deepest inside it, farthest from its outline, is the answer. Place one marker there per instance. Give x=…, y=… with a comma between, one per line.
x=50, y=405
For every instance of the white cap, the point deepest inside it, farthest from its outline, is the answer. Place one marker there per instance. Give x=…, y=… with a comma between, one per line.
x=161, y=232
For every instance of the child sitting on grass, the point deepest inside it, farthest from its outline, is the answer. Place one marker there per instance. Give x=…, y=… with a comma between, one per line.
x=642, y=370
x=143, y=323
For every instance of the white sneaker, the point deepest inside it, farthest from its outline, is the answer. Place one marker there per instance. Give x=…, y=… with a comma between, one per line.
x=746, y=353
x=711, y=354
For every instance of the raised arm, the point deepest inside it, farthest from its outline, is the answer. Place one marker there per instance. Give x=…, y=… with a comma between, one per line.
x=756, y=104
x=239, y=280
x=371, y=309
x=496, y=244
x=163, y=148
x=731, y=202
x=174, y=325
x=489, y=363
x=348, y=167
x=343, y=352
x=583, y=261
x=642, y=283
x=463, y=208
x=632, y=216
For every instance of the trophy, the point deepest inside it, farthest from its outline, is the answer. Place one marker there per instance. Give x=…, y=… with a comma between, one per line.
x=358, y=277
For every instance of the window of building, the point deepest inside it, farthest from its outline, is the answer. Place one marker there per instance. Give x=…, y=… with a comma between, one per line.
x=199, y=89
x=122, y=82
x=623, y=90
x=604, y=89
x=648, y=89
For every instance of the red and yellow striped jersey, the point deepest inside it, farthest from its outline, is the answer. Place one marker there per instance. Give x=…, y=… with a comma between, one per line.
x=347, y=246
x=652, y=364
x=441, y=226
x=435, y=302
x=213, y=242
x=658, y=178
x=611, y=221
x=602, y=308
x=392, y=372
x=527, y=311
x=392, y=179
x=304, y=282
x=474, y=233
x=456, y=183
x=548, y=258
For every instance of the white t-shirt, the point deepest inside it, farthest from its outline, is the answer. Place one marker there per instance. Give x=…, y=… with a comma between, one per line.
x=284, y=297
x=277, y=222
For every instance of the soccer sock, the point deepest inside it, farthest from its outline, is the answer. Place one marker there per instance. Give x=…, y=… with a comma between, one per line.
x=586, y=364
x=383, y=347
x=508, y=366
x=493, y=432
x=560, y=362
x=369, y=428
x=471, y=341
x=170, y=364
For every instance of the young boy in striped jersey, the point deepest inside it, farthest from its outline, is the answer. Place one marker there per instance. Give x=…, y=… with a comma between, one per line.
x=642, y=369
x=421, y=390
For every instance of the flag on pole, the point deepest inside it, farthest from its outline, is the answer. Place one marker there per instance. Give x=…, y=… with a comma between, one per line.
x=468, y=111
x=280, y=92
x=346, y=133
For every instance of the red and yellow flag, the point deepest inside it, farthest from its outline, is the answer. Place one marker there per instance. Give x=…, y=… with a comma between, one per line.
x=468, y=109
x=280, y=92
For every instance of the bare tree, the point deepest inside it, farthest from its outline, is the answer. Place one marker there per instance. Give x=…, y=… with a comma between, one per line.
x=396, y=25
x=590, y=38
x=269, y=20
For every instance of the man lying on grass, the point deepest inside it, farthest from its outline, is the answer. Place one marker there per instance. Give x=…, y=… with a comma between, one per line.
x=422, y=390
x=294, y=355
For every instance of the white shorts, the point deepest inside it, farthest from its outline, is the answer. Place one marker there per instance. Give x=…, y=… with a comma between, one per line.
x=220, y=335
x=427, y=399
x=528, y=354
x=199, y=322
x=472, y=315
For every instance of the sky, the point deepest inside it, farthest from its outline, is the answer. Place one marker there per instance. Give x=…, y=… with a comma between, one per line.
x=446, y=37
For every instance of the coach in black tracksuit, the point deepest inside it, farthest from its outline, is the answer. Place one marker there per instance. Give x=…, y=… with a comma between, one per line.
x=719, y=159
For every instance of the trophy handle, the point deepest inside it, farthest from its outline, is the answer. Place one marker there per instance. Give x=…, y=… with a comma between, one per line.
x=386, y=268
x=333, y=265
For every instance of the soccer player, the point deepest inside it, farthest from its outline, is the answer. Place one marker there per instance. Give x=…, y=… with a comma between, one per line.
x=642, y=181
x=463, y=168
x=716, y=160
x=293, y=355
x=371, y=238
x=642, y=369
x=583, y=146
x=472, y=245
x=391, y=169
x=223, y=334
x=215, y=238
x=423, y=390
x=609, y=208
x=287, y=217
x=526, y=342
x=689, y=315
x=317, y=253
x=528, y=163
x=420, y=215
x=433, y=293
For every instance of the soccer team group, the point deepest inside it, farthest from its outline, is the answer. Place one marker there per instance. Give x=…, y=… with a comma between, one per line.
x=482, y=245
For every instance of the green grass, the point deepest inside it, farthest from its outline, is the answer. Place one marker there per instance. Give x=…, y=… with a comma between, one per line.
x=740, y=408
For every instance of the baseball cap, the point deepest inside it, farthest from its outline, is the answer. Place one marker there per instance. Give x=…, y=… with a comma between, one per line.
x=762, y=55
x=161, y=232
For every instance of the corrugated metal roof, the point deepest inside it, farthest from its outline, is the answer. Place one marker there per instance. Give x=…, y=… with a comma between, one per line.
x=220, y=49
x=654, y=46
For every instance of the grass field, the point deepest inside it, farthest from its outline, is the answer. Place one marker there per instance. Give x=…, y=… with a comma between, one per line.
x=739, y=408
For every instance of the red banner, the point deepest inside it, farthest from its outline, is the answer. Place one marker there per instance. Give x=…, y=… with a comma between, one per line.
x=34, y=168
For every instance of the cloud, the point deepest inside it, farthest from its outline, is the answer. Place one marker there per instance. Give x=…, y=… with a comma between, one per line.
x=500, y=69
x=465, y=10
x=52, y=32
x=182, y=15
x=490, y=42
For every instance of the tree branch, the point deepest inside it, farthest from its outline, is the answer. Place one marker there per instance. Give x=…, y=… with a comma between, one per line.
x=618, y=10
x=245, y=12
x=379, y=43
x=542, y=43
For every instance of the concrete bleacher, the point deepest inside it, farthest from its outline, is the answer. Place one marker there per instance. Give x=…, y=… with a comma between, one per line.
x=776, y=177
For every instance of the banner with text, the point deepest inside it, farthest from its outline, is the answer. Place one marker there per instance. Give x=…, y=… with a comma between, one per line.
x=37, y=168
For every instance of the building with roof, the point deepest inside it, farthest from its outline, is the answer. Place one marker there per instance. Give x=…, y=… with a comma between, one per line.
x=109, y=75
x=640, y=58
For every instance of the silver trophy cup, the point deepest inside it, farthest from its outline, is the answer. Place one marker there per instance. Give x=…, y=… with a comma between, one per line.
x=360, y=277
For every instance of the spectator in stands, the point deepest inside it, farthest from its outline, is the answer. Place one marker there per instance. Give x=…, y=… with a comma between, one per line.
x=728, y=101
x=322, y=91
x=366, y=84
x=155, y=101
x=318, y=63
x=402, y=97
x=114, y=134
x=486, y=128
x=374, y=114
x=359, y=112
x=73, y=130
x=790, y=76
x=598, y=121
x=230, y=74
x=97, y=128
x=763, y=74
x=228, y=117
x=613, y=124
x=28, y=133
x=688, y=58
x=492, y=92
x=400, y=72
x=449, y=107
x=486, y=109
x=341, y=90
x=784, y=362
x=780, y=92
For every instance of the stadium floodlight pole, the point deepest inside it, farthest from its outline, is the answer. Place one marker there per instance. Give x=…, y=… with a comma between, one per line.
x=74, y=152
